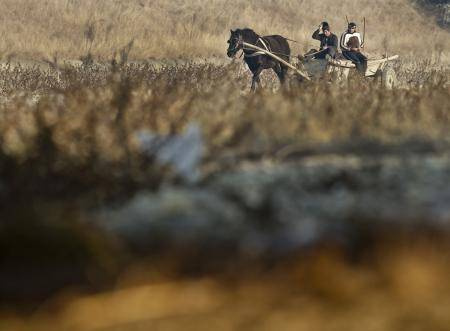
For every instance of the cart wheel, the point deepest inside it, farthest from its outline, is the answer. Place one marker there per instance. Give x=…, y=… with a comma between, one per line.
x=389, y=78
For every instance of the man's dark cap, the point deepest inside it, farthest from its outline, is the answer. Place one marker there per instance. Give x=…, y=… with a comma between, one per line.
x=325, y=26
x=352, y=25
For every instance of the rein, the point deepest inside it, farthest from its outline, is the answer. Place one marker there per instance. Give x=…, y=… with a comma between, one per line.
x=295, y=41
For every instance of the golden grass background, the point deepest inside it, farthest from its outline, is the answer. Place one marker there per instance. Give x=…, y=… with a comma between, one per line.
x=68, y=29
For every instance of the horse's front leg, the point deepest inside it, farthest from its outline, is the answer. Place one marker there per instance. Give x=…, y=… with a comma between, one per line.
x=255, y=79
x=253, y=87
x=256, y=83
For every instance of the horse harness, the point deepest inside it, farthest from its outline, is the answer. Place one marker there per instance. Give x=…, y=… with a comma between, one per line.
x=253, y=53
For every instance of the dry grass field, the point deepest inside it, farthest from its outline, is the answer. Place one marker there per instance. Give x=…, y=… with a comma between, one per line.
x=69, y=29
x=165, y=196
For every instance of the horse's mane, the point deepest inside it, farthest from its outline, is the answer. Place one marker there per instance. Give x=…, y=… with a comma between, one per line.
x=248, y=34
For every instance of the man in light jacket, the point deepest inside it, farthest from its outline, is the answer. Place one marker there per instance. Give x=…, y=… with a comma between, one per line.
x=351, y=44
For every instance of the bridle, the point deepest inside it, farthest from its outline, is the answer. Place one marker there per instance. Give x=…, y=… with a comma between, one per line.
x=238, y=46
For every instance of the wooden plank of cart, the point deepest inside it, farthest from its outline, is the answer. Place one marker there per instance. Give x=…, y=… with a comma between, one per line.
x=375, y=68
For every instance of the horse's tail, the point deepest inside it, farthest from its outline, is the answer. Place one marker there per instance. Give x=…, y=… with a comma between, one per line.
x=295, y=41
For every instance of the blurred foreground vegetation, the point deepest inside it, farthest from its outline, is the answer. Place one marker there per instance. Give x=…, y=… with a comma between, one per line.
x=313, y=202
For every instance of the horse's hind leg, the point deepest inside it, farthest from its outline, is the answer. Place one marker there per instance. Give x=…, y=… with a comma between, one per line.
x=284, y=71
x=281, y=72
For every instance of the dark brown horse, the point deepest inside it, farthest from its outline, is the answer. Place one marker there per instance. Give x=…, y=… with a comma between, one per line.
x=258, y=61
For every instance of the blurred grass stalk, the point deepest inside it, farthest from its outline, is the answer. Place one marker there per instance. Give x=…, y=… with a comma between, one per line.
x=67, y=146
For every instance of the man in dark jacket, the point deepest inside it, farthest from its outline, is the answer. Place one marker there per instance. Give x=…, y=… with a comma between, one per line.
x=328, y=41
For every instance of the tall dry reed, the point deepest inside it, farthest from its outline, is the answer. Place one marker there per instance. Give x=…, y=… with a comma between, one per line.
x=69, y=29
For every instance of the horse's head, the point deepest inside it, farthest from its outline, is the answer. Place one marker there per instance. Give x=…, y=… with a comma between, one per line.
x=235, y=43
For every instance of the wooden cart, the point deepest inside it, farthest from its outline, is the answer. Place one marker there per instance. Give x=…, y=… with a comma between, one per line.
x=317, y=68
x=341, y=68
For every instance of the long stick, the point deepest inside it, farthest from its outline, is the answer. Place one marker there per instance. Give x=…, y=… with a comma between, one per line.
x=312, y=54
x=364, y=32
x=287, y=64
x=390, y=58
